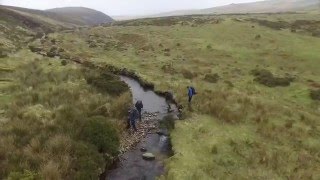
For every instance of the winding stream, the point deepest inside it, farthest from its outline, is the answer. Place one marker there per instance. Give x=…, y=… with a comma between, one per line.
x=131, y=166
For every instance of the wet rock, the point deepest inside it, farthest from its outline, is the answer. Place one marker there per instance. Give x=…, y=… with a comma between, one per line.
x=148, y=156
x=162, y=133
x=143, y=149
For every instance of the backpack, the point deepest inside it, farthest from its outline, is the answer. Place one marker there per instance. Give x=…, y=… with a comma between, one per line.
x=193, y=91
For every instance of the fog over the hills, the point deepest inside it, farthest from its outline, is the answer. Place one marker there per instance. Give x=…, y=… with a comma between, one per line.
x=124, y=7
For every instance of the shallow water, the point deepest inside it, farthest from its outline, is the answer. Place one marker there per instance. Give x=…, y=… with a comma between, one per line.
x=131, y=165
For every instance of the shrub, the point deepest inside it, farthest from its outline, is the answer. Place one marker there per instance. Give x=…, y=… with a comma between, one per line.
x=258, y=37
x=87, y=162
x=101, y=133
x=266, y=78
x=315, y=94
x=212, y=78
x=64, y=62
x=120, y=106
x=187, y=74
x=108, y=83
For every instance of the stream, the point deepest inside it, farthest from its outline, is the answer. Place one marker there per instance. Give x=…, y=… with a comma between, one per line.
x=131, y=165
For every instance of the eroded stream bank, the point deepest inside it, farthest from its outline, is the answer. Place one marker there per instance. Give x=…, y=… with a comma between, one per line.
x=155, y=137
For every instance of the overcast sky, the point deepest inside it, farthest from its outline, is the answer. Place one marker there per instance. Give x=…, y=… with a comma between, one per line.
x=124, y=7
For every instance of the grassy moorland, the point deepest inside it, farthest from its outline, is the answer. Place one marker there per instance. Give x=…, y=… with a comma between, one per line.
x=257, y=111
x=255, y=116
x=58, y=120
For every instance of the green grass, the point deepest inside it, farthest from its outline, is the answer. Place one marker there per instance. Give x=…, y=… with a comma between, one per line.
x=53, y=125
x=236, y=128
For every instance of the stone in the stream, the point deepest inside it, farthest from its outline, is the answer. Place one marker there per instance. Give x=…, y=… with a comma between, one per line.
x=143, y=149
x=148, y=156
x=162, y=133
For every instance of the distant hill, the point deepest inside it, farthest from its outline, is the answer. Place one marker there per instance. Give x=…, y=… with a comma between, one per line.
x=69, y=16
x=19, y=26
x=81, y=15
x=268, y=6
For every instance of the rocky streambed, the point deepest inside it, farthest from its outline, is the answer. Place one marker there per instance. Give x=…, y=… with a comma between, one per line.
x=143, y=153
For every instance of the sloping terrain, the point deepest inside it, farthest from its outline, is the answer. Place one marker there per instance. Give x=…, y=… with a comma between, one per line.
x=256, y=112
x=69, y=16
x=255, y=115
x=81, y=16
x=268, y=6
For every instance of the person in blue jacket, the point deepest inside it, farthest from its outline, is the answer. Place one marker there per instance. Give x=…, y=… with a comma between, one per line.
x=191, y=93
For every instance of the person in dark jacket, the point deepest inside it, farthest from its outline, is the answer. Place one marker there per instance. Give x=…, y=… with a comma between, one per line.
x=133, y=115
x=139, y=106
x=169, y=99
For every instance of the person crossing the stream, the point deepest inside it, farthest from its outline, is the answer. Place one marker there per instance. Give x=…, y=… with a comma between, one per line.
x=169, y=99
x=139, y=106
x=133, y=116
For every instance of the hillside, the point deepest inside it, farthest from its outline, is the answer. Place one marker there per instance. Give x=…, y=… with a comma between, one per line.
x=81, y=16
x=268, y=6
x=255, y=116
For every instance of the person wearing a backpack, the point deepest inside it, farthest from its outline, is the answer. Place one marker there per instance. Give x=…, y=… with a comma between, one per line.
x=191, y=93
x=139, y=106
x=133, y=115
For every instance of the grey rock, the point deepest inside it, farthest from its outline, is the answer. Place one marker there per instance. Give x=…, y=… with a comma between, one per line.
x=148, y=156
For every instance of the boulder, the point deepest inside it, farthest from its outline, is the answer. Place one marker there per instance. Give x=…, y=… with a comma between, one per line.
x=148, y=156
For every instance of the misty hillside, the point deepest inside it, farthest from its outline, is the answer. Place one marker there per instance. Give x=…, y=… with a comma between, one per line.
x=69, y=16
x=268, y=6
x=81, y=16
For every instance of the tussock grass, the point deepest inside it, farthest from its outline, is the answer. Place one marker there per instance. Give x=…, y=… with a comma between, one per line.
x=54, y=130
x=235, y=127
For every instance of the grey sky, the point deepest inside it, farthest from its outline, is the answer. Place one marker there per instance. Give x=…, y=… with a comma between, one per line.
x=124, y=7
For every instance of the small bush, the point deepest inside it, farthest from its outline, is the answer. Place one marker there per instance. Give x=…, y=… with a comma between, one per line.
x=101, y=133
x=187, y=74
x=212, y=78
x=315, y=94
x=108, y=83
x=266, y=78
x=64, y=62
x=258, y=37
x=34, y=48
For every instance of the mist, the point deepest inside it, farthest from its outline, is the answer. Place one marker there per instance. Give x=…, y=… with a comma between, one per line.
x=124, y=7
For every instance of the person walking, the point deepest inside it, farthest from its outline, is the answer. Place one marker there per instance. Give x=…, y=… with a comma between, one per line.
x=139, y=106
x=133, y=115
x=191, y=93
x=169, y=99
